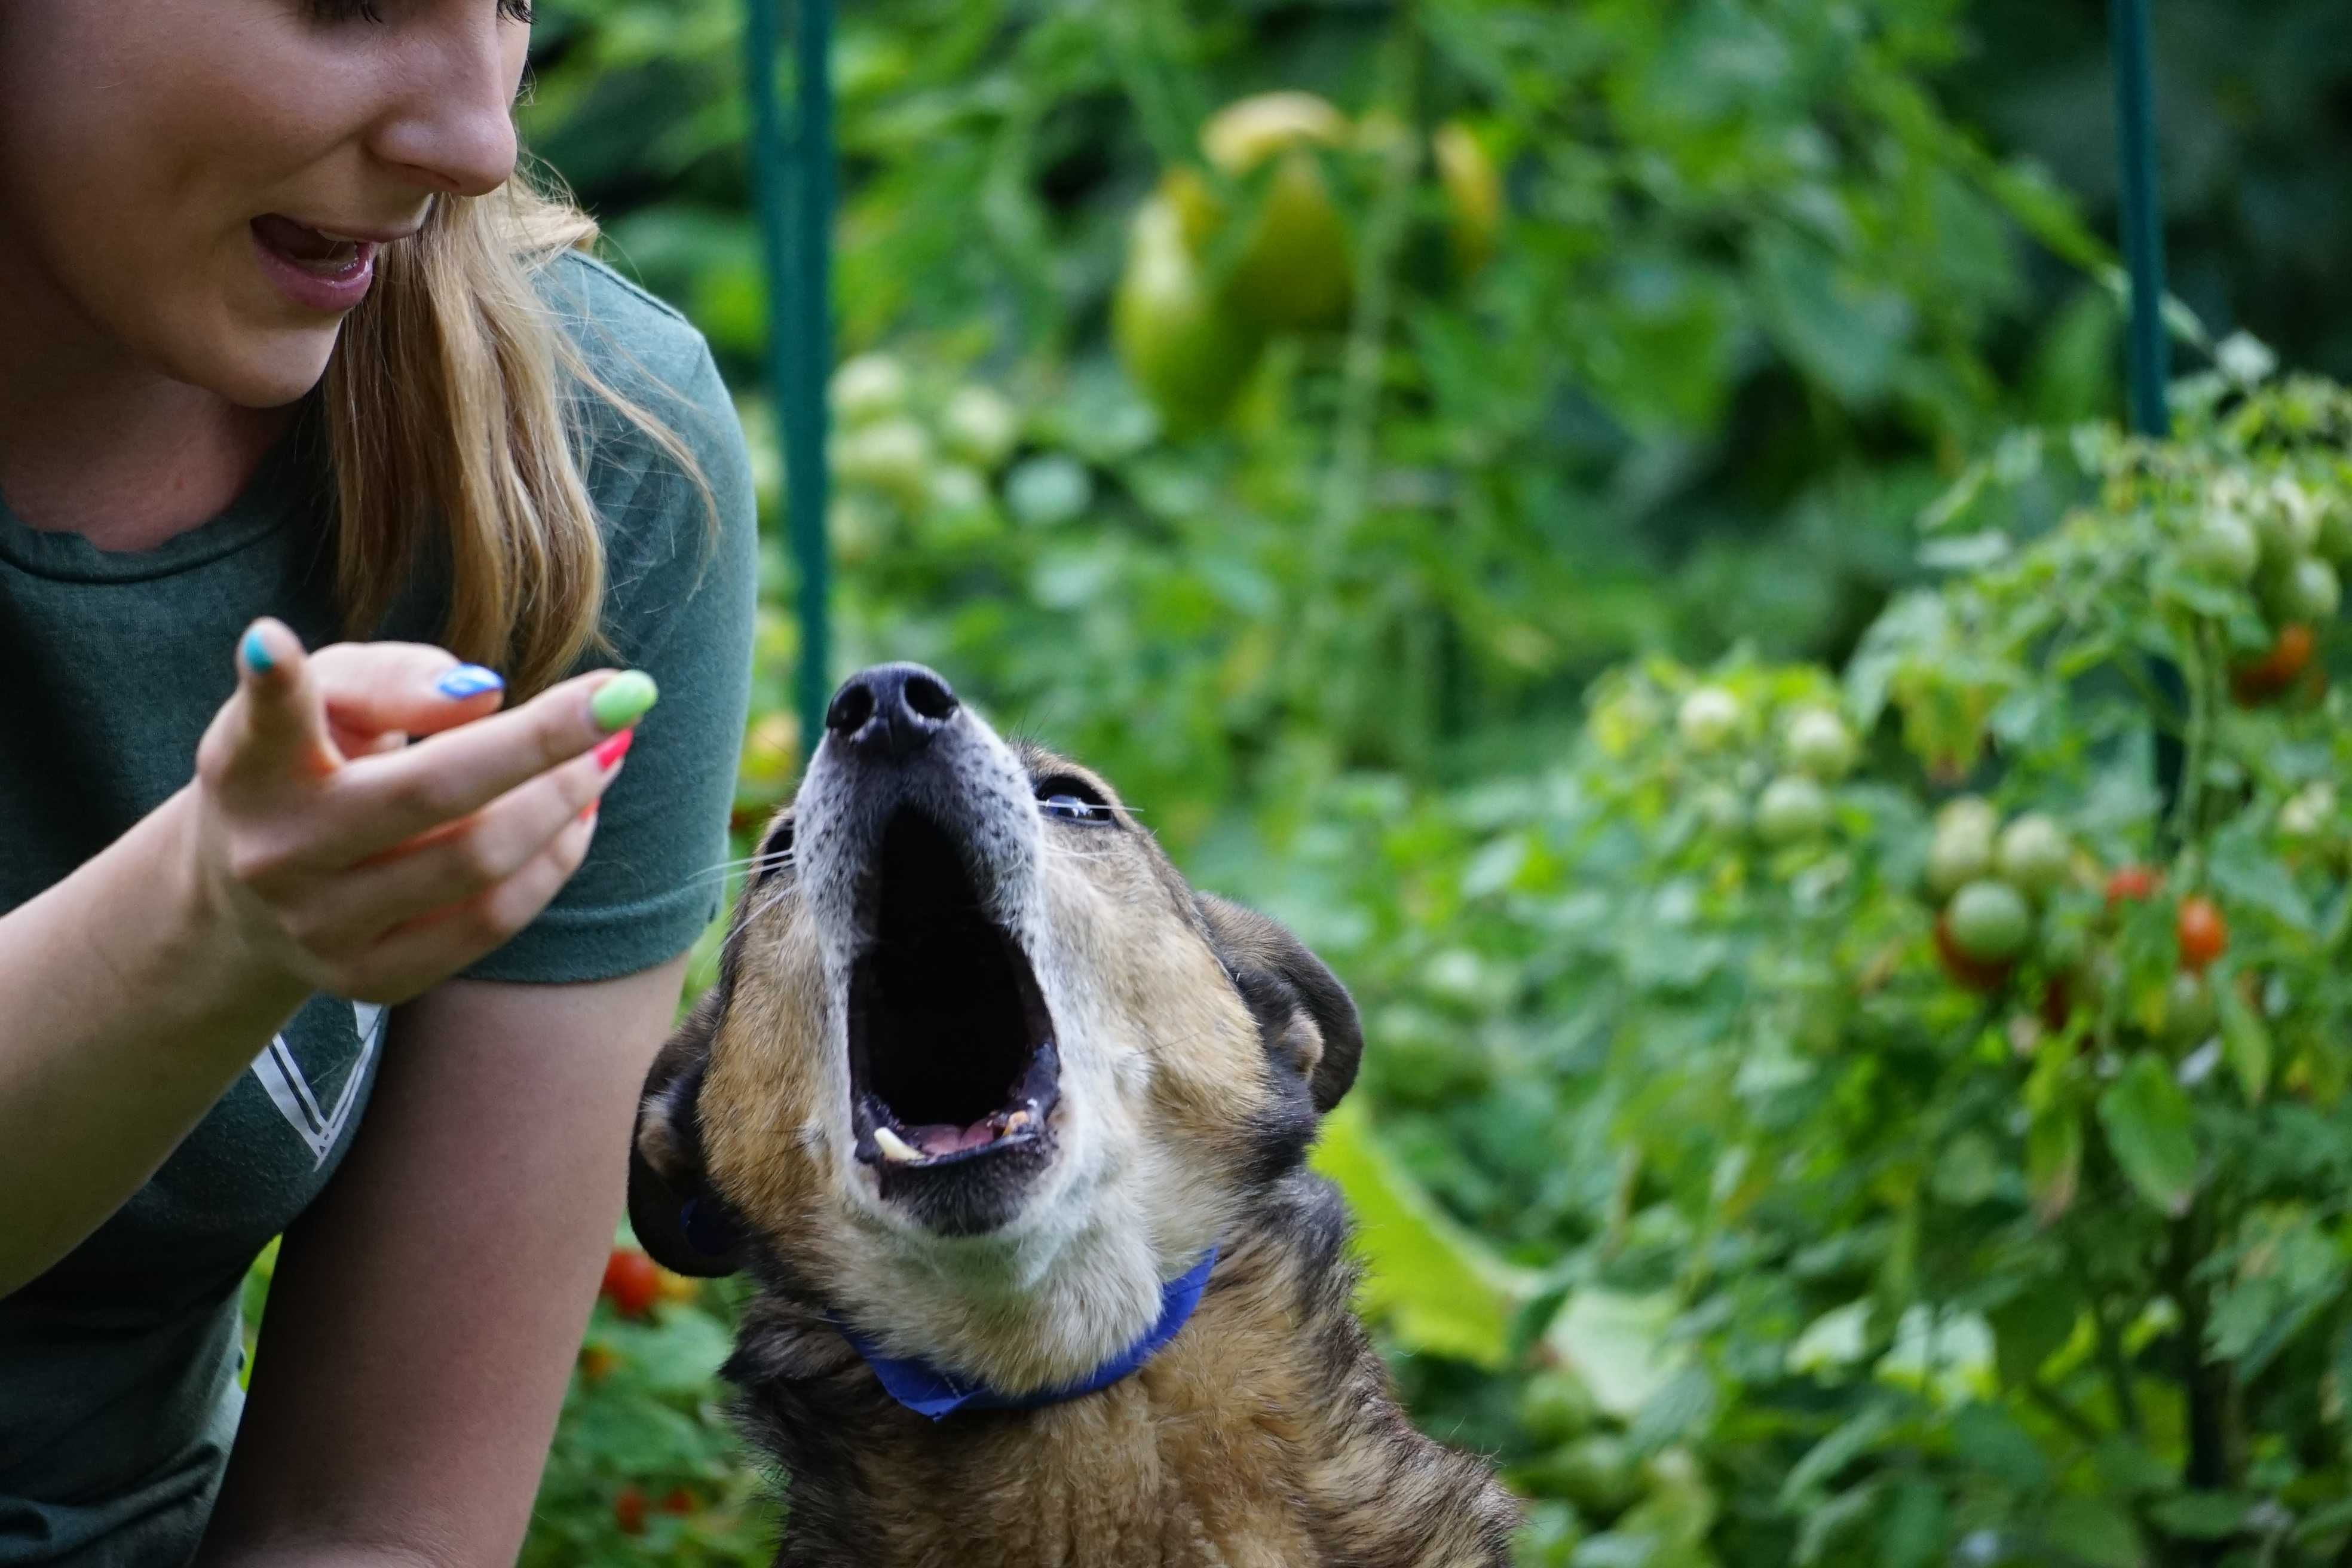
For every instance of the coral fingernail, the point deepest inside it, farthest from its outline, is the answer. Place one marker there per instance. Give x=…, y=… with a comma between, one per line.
x=467, y=680
x=588, y=812
x=609, y=753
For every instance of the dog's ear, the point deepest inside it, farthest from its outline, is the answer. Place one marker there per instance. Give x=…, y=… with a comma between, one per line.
x=680, y=1221
x=1305, y=1016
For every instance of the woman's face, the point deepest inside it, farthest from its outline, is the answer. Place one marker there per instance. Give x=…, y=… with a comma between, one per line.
x=200, y=185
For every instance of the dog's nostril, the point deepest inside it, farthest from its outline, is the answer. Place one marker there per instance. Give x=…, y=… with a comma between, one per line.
x=930, y=698
x=852, y=706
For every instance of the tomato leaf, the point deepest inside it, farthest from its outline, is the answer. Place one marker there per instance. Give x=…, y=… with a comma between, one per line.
x=2245, y=1041
x=2147, y=1121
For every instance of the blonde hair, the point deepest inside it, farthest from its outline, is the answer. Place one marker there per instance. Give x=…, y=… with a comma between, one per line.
x=449, y=435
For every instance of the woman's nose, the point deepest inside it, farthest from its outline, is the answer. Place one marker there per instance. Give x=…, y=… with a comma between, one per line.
x=451, y=124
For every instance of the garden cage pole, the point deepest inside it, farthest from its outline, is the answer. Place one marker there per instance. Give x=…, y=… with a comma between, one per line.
x=794, y=181
x=2148, y=363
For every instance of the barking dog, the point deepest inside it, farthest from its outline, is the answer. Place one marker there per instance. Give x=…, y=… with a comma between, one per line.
x=1010, y=1126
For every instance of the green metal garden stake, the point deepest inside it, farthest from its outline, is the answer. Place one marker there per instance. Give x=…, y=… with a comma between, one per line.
x=2149, y=363
x=794, y=185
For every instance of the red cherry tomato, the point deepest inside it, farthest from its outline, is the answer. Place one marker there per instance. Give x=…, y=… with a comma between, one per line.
x=1975, y=973
x=2204, y=934
x=680, y=1501
x=629, y=1510
x=632, y=1282
x=2276, y=671
x=2134, y=882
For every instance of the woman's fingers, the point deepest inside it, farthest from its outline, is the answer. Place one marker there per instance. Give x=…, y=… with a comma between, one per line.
x=421, y=952
x=391, y=799
x=279, y=729
x=457, y=862
x=413, y=688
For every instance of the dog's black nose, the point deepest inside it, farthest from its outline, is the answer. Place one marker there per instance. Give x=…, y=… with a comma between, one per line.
x=891, y=711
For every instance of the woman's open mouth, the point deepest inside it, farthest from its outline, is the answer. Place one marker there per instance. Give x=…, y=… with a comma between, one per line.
x=316, y=270
x=952, y=1062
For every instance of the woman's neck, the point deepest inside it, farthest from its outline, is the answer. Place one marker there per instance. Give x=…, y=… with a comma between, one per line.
x=93, y=441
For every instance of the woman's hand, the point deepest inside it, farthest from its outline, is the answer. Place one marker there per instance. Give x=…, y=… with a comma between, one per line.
x=336, y=853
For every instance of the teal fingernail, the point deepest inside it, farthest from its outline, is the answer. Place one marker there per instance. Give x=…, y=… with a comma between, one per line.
x=623, y=700
x=257, y=653
x=467, y=680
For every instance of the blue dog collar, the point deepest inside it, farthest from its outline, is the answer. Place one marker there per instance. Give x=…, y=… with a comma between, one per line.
x=927, y=1391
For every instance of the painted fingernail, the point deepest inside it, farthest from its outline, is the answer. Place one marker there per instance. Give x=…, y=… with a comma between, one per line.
x=623, y=699
x=588, y=812
x=257, y=652
x=467, y=680
x=610, y=753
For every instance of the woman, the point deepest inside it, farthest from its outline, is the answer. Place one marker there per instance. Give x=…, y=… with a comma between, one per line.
x=348, y=944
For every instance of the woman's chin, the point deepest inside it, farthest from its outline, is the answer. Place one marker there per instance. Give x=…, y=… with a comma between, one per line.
x=267, y=368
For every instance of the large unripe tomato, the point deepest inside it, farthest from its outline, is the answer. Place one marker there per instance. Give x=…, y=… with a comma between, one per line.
x=1474, y=196
x=980, y=427
x=2307, y=590
x=1961, y=850
x=2033, y=854
x=891, y=456
x=1793, y=807
x=1184, y=348
x=1295, y=269
x=632, y=1282
x=1991, y=920
x=1708, y=718
x=869, y=387
x=2202, y=934
x=2189, y=1011
x=1976, y=974
x=1557, y=1407
x=2222, y=545
x=1819, y=743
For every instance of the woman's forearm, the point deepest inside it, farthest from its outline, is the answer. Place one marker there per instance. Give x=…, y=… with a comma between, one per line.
x=125, y=1010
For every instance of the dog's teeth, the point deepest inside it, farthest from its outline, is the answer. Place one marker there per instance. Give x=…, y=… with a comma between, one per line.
x=894, y=1148
x=1016, y=1121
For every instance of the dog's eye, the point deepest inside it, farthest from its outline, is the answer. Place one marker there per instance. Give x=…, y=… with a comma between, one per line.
x=1072, y=799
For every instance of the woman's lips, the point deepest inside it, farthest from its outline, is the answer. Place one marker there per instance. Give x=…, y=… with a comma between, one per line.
x=315, y=270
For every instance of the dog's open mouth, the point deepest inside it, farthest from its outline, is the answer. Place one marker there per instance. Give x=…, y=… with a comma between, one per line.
x=952, y=1054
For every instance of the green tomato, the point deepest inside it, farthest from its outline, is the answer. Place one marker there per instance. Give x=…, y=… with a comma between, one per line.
x=2034, y=854
x=1991, y=920
x=1723, y=810
x=1177, y=339
x=2309, y=811
x=2223, y=545
x=1793, y=807
x=2189, y=1011
x=2336, y=528
x=869, y=387
x=1819, y=742
x=1708, y=718
x=1555, y=1406
x=980, y=427
x=2287, y=522
x=2308, y=590
x=893, y=456
x=1962, y=848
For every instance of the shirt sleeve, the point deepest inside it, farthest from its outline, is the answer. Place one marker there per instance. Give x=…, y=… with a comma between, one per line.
x=680, y=598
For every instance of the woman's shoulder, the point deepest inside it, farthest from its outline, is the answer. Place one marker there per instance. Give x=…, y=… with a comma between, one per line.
x=641, y=350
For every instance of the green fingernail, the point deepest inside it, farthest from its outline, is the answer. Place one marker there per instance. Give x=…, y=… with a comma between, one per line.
x=623, y=700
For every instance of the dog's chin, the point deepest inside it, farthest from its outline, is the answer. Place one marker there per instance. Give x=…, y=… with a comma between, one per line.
x=955, y=1076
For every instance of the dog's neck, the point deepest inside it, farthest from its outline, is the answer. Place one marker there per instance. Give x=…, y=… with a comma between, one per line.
x=1266, y=1433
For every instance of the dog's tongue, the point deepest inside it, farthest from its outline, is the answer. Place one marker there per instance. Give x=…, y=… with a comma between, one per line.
x=300, y=241
x=945, y=1138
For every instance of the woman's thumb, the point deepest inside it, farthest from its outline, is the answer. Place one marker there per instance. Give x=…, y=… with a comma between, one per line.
x=285, y=721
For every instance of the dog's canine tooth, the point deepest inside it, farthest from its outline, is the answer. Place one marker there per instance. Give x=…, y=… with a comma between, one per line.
x=1014, y=1122
x=894, y=1148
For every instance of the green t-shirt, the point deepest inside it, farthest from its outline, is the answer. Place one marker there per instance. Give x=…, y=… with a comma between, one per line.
x=118, y=1368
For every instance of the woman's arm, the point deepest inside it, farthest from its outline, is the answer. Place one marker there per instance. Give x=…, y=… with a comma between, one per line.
x=425, y=1311
x=311, y=852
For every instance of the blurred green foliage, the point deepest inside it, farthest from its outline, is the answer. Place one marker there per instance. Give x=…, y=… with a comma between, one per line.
x=1702, y=1197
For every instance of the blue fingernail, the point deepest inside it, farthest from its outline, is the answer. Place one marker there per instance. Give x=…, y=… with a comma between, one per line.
x=257, y=653
x=467, y=680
